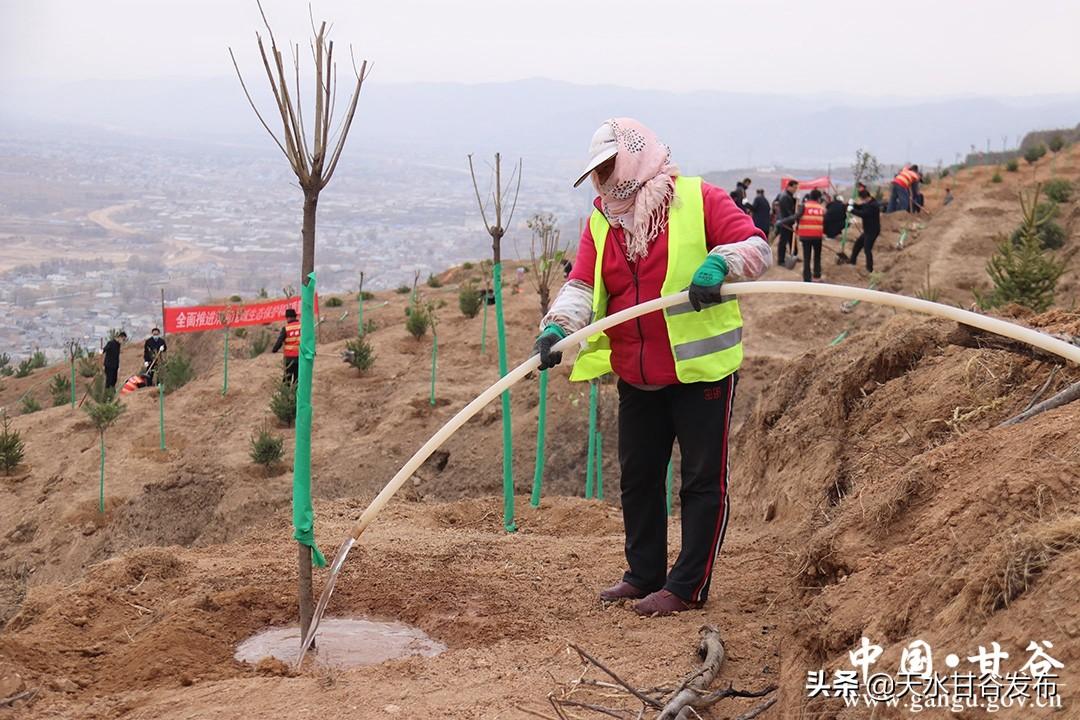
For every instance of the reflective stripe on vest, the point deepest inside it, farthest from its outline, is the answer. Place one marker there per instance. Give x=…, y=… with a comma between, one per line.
x=906, y=177
x=292, y=340
x=707, y=345
x=812, y=223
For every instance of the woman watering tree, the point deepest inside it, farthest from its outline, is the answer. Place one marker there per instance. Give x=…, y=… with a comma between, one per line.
x=652, y=233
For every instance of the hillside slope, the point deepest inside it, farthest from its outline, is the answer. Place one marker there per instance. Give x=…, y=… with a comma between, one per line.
x=872, y=495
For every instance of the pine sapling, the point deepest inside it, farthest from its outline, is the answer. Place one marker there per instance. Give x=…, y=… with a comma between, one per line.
x=12, y=448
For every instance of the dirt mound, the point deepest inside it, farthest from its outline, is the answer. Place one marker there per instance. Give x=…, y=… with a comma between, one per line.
x=907, y=512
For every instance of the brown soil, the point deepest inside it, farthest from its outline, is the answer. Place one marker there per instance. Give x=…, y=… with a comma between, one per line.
x=896, y=510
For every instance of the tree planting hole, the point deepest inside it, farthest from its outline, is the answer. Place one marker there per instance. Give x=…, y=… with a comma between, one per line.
x=342, y=642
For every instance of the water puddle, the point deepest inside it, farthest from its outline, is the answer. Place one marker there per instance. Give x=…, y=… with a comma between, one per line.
x=342, y=642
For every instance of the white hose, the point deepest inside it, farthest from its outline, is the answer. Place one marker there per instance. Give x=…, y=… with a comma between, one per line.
x=983, y=322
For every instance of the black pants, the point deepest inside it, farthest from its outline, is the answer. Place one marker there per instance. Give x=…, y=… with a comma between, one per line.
x=783, y=245
x=811, y=245
x=292, y=370
x=699, y=415
x=865, y=242
x=110, y=376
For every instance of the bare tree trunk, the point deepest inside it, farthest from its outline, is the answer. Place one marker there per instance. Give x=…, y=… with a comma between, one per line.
x=307, y=265
x=545, y=299
x=307, y=262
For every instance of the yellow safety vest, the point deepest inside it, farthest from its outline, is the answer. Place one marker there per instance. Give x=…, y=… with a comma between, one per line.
x=706, y=345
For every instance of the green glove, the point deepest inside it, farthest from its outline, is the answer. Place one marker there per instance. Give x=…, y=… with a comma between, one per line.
x=551, y=335
x=705, y=287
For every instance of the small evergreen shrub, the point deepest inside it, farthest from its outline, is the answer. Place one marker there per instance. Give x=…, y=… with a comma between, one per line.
x=1058, y=190
x=176, y=371
x=60, y=390
x=12, y=448
x=25, y=368
x=402, y=289
x=417, y=320
x=334, y=301
x=433, y=281
x=266, y=447
x=365, y=295
x=1012, y=165
x=29, y=404
x=235, y=298
x=996, y=178
x=469, y=299
x=1033, y=154
x=87, y=367
x=1056, y=143
x=38, y=360
x=283, y=403
x=360, y=354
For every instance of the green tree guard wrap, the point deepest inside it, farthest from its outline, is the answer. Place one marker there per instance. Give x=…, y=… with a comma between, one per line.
x=541, y=422
x=670, y=477
x=599, y=465
x=434, y=364
x=73, y=382
x=483, y=330
x=589, y=467
x=225, y=380
x=360, y=313
x=508, y=450
x=161, y=413
x=303, y=515
x=101, y=482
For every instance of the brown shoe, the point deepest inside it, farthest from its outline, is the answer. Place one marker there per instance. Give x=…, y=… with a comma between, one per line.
x=622, y=591
x=663, y=602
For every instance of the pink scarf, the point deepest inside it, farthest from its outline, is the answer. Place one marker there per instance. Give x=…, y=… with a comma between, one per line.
x=638, y=193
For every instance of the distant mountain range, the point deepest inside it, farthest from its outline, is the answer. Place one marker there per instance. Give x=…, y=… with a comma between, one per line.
x=550, y=122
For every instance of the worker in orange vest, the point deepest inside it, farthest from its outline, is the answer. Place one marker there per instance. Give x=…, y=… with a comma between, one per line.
x=904, y=188
x=289, y=338
x=811, y=227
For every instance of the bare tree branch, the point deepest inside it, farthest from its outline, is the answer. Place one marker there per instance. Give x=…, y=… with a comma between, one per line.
x=513, y=207
x=346, y=123
x=632, y=690
x=256, y=109
x=479, y=202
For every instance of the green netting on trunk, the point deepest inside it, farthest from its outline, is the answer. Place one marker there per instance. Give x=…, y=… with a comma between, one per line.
x=541, y=422
x=303, y=514
x=508, y=450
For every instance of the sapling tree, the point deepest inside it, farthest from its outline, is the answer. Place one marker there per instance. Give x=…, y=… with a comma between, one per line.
x=496, y=224
x=103, y=414
x=546, y=252
x=12, y=448
x=866, y=168
x=1021, y=270
x=313, y=158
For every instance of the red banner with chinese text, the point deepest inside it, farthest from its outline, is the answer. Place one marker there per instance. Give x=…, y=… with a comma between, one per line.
x=821, y=183
x=198, y=318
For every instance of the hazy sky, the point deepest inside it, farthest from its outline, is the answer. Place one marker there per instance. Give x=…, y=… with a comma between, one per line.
x=937, y=47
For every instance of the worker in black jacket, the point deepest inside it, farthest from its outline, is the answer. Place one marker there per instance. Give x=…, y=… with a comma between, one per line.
x=739, y=194
x=869, y=209
x=152, y=354
x=785, y=220
x=760, y=211
x=111, y=355
x=835, y=215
